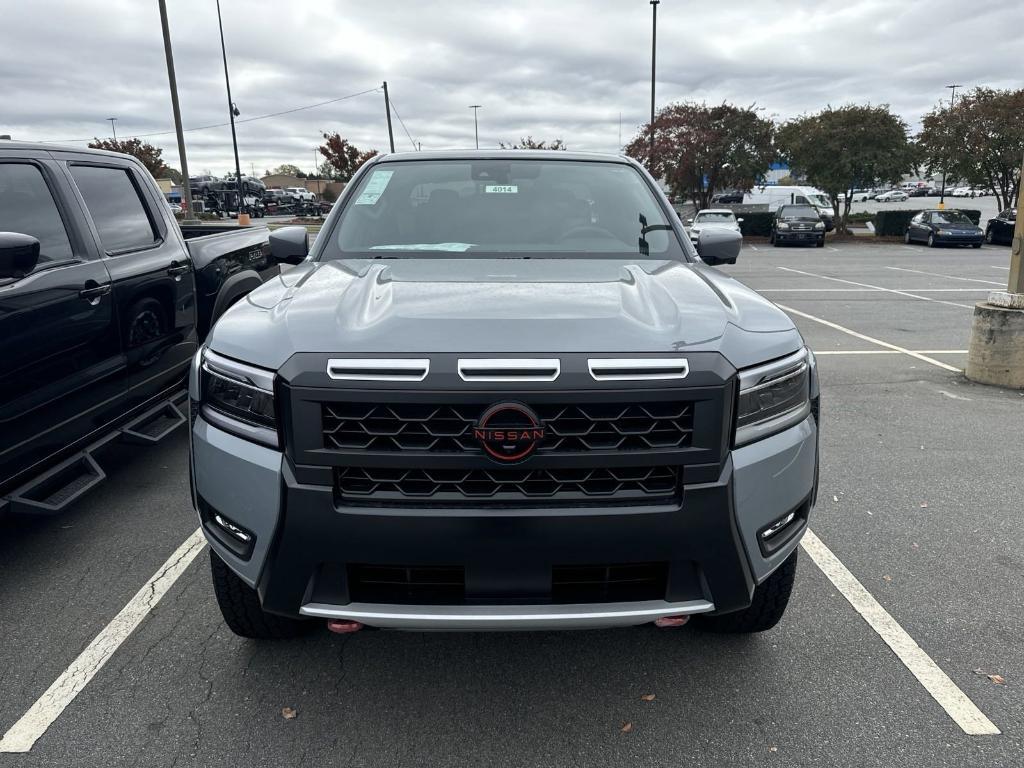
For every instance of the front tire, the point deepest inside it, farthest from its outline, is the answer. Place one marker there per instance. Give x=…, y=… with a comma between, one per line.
x=240, y=607
x=988, y=236
x=906, y=237
x=770, y=600
x=931, y=240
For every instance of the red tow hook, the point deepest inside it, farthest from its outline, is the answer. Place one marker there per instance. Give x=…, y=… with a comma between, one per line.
x=343, y=626
x=671, y=621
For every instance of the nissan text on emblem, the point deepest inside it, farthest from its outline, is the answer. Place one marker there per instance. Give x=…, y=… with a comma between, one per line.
x=509, y=431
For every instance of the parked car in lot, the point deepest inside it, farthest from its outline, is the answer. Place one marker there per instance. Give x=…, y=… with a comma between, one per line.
x=943, y=228
x=1000, y=229
x=174, y=207
x=797, y=224
x=922, y=192
x=709, y=219
x=104, y=300
x=892, y=196
x=727, y=198
x=776, y=196
x=302, y=194
x=857, y=196
x=520, y=401
x=961, y=192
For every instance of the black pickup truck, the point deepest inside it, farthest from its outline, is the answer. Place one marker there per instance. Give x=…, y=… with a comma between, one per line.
x=104, y=300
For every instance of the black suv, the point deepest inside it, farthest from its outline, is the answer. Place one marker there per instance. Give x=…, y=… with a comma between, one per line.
x=797, y=224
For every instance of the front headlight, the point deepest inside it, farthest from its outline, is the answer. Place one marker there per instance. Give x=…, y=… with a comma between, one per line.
x=782, y=225
x=819, y=225
x=238, y=398
x=944, y=232
x=773, y=397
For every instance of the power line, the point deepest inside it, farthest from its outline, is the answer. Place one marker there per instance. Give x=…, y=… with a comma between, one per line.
x=401, y=122
x=221, y=125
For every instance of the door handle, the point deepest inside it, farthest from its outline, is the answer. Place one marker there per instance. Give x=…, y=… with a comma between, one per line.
x=178, y=269
x=93, y=292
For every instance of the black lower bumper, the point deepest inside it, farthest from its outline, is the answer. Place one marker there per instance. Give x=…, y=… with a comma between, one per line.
x=505, y=556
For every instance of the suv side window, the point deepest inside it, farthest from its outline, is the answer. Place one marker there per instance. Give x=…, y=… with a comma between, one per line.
x=918, y=219
x=116, y=208
x=27, y=206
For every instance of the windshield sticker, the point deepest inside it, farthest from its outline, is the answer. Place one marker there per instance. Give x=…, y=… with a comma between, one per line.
x=374, y=188
x=501, y=189
x=424, y=247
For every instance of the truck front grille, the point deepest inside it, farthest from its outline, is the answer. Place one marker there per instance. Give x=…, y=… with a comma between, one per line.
x=378, y=485
x=571, y=428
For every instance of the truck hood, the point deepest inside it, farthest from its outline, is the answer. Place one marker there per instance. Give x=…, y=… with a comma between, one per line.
x=500, y=306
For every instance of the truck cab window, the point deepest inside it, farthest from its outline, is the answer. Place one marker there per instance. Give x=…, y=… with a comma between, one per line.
x=26, y=206
x=115, y=206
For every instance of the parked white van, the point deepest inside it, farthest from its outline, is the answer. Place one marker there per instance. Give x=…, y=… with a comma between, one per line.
x=777, y=196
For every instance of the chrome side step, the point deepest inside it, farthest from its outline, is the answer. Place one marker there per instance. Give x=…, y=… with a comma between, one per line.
x=509, y=369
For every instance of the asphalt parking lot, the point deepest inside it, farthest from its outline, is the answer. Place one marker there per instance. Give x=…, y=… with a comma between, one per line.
x=918, y=531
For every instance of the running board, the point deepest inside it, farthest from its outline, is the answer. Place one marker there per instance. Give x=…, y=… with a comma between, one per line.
x=56, y=488
x=155, y=424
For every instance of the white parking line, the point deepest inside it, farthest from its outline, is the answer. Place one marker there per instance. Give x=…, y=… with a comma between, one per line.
x=878, y=287
x=819, y=353
x=954, y=701
x=1003, y=268
x=873, y=340
x=48, y=707
x=948, y=277
x=871, y=290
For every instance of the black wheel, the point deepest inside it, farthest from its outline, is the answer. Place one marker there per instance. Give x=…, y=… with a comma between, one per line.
x=775, y=241
x=770, y=601
x=240, y=607
x=820, y=243
x=931, y=240
x=145, y=322
x=988, y=236
x=906, y=237
x=975, y=245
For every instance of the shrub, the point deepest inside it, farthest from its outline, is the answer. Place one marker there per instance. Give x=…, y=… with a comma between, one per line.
x=757, y=224
x=893, y=223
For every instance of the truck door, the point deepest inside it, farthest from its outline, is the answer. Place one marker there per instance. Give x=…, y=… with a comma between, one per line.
x=154, y=288
x=61, y=369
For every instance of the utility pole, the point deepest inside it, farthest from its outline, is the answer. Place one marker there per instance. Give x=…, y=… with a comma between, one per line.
x=942, y=193
x=654, y=59
x=476, y=125
x=186, y=188
x=232, y=111
x=387, y=109
x=316, y=171
x=112, y=128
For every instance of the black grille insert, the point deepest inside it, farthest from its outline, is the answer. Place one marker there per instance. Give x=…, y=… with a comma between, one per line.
x=571, y=428
x=512, y=486
x=400, y=584
x=608, y=583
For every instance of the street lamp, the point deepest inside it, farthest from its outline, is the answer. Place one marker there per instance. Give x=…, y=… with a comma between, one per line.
x=654, y=53
x=112, y=128
x=476, y=126
x=232, y=114
x=952, y=95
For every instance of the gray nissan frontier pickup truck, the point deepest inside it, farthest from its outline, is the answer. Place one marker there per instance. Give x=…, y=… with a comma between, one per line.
x=503, y=390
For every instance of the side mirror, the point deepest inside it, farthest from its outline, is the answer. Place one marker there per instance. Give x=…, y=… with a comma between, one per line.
x=739, y=221
x=19, y=254
x=289, y=244
x=719, y=246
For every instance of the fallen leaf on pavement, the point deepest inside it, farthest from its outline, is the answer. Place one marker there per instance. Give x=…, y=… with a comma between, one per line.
x=887, y=577
x=835, y=499
x=626, y=727
x=647, y=697
x=979, y=671
x=773, y=749
x=289, y=714
x=924, y=504
x=997, y=679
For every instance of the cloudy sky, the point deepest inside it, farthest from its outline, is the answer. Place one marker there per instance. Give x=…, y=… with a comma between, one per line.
x=550, y=69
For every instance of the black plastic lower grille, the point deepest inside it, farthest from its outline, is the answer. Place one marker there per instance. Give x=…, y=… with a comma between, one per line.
x=400, y=584
x=608, y=583
x=379, y=485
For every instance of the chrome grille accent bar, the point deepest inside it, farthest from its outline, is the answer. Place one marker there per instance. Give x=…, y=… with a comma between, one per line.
x=637, y=369
x=509, y=369
x=377, y=369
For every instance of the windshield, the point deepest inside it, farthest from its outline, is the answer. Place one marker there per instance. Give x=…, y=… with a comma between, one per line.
x=504, y=207
x=798, y=211
x=950, y=217
x=820, y=200
x=707, y=216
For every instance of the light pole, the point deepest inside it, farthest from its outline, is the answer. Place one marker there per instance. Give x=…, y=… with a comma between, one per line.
x=232, y=113
x=186, y=188
x=952, y=95
x=112, y=128
x=316, y=171
x=476, y=125
x=654, y=55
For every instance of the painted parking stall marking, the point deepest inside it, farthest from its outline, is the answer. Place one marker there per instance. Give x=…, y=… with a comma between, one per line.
x=878, y=288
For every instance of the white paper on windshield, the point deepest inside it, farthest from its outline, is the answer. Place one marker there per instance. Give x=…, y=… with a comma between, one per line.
x=424, y=247
x=374, y=188
x=501, y=189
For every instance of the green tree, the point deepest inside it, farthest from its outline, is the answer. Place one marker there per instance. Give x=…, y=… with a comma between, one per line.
x=530, y=143
x=700, y=149
x=146, y=153
x=980, y=140
x=839, y=150
x=343, y=158
x=287, y=169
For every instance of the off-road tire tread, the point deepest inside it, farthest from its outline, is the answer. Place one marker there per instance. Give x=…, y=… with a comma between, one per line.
x=770, y=601
x=240, y=607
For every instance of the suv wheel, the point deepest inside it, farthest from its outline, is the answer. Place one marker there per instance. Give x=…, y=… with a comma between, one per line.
x=988, y=236
x=240, y=607
x=931, y=240
x=906, y=237
x=770, y=601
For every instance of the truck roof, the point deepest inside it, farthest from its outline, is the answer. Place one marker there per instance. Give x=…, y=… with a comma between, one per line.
x=501, y=154
x=50, y=147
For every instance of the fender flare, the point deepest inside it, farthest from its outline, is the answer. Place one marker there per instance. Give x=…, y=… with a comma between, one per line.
x=234, y=288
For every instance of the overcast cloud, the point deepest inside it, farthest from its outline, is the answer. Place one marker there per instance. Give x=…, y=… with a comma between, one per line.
x=562, y=69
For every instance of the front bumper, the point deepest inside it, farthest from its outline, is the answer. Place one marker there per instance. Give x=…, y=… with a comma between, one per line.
x=805, y=236
x=960, y=239
x=304, y=542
